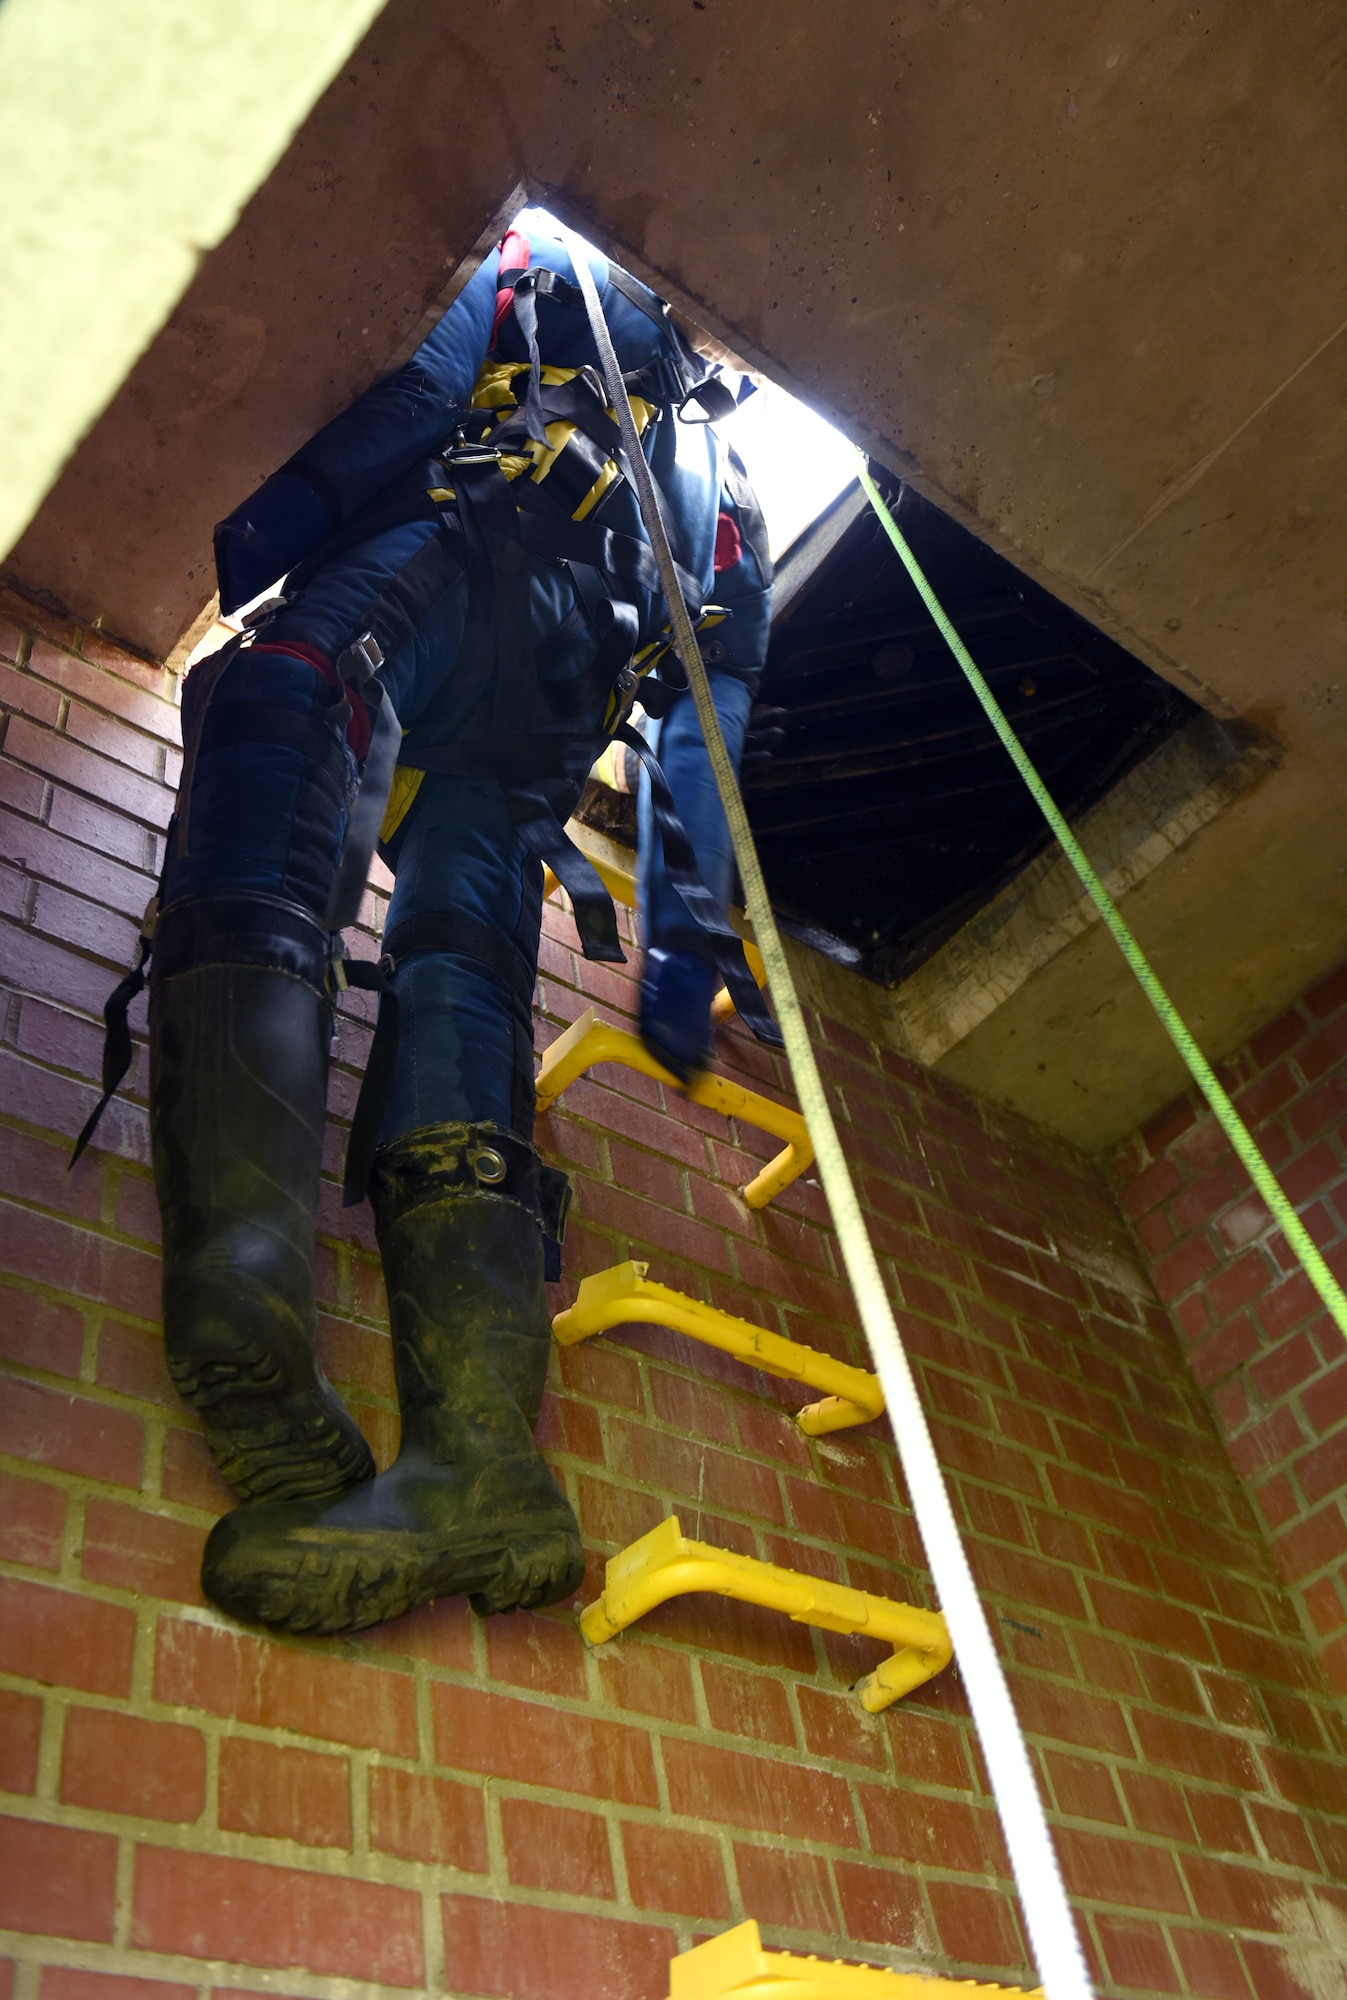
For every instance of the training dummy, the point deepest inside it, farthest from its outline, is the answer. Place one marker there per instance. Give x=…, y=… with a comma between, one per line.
x=469, y=605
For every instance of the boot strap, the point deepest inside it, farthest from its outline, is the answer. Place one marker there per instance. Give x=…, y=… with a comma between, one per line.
x=241, y=930
x=451, y=1162
x=204, y=930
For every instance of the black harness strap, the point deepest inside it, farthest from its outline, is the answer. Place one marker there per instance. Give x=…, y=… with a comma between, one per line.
x=368, y=1117
x=526, y=312
x=412, y=505
x=490, y=520
x=117, y=1032
x=545, y=837
x=580, y=402
x=548, y=533
x=396, y=614
x=455, y=931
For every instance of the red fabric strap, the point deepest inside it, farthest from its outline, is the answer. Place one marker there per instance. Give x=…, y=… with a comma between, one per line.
x=358, y=728
x=729, y=548
x=514, y=256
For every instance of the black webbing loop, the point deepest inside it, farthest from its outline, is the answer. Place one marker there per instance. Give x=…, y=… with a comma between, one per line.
x=117, y=1035
x=490, y=518
x=368, y=1116
x=526, y=312
x=546, y=839
x=681, y=863
x=714, y=398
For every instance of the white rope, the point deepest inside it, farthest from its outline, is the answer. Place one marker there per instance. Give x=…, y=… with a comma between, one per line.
x=1052, y=1931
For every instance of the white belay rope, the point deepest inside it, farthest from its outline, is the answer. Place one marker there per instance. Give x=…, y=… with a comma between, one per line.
x=1052, y=1931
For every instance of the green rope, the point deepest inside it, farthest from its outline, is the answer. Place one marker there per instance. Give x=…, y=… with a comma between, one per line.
x=1238, y=1133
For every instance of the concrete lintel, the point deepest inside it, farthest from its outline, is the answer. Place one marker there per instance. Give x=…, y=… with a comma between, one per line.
x=134, y=134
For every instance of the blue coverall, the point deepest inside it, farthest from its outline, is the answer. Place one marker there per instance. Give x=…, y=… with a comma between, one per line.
x=261, y=825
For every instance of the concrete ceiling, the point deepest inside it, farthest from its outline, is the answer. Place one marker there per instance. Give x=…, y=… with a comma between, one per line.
x=1076, y=272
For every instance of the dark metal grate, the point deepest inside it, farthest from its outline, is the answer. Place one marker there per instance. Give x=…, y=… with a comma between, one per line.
x=891, y=813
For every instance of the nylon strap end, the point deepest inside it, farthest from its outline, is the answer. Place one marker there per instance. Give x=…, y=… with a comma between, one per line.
x=368, y=1117
x=116, y=1043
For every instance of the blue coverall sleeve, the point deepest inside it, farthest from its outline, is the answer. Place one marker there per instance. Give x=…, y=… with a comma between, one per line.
x=397, y=421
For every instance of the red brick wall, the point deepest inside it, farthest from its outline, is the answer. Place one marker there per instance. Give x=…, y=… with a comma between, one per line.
x=1258, y=1339
x=487, y=1809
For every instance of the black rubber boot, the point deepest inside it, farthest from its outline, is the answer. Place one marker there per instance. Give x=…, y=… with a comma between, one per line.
x=470, y=1507
x=240, y=1028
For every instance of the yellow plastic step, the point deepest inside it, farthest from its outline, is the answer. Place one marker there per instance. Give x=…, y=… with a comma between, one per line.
x=666, y=1563
x=734, y=1966
x=589, y=1041
x=624, y=1293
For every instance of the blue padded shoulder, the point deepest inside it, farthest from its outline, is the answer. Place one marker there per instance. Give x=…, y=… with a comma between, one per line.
x=350, y=461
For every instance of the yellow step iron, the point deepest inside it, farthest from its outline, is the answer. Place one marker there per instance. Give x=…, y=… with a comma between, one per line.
x=589, y=1040
x=666, y=1563
x=734, y=1966
x=611, y=1298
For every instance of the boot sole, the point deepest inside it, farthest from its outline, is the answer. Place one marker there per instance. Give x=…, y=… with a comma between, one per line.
x=270, y=1440
x=328, y=1588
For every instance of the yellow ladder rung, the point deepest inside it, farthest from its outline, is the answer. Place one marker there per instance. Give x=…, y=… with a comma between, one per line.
x=588, y=1041
x=665, y=1564
x=734, y=1966
x=624, y=1293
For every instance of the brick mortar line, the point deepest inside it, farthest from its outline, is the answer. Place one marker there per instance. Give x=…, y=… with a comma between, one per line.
x=413, y=1879
x=85, y=697
x=34, y=1952
x=211, y=1723
x=896, y=1263
x=102, y=799
x=84, y=957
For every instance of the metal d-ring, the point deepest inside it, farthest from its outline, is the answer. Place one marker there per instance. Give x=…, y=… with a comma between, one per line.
x=489, y=1166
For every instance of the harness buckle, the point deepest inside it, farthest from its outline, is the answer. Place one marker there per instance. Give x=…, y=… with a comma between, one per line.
x=625, y=689
x=468, y=454
x=363, y=657
x=262, y=614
